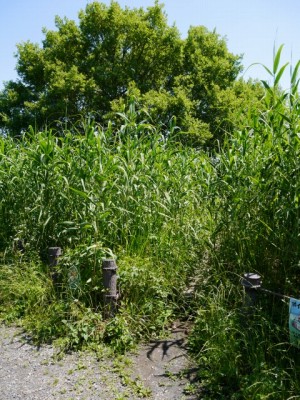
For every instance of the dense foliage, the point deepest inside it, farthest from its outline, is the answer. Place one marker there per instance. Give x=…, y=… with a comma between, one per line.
x=80, y=69
x=177, y=219
x=255, y=203
x=98, y=195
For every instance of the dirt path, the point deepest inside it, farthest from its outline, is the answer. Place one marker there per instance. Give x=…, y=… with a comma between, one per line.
x=159, y=371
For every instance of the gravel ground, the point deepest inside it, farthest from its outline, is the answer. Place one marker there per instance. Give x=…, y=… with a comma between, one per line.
x=159, y=370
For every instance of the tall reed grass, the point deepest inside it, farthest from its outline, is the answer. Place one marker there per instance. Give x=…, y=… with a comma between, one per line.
x=258, y=190
x=254, y=196
x=99, y=193
x=174, y=217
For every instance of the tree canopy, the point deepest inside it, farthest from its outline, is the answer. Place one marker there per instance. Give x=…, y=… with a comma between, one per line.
x=90, y=68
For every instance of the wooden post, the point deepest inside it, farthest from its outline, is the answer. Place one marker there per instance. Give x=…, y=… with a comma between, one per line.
x=53, y=254
x=109, y=269
x=251, y=282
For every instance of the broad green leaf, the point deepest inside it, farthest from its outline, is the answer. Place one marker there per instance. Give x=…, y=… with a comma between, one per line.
x=267, y=69
x=266, y=85
x=295, y=73
x=279, y=75
x=277, y=59
x=80, y=193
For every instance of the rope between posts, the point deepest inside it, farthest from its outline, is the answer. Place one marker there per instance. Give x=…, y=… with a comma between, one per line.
x=252, y=281
x=283, y=296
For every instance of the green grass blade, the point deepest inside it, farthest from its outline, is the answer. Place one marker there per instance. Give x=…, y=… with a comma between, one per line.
x=295, y=74
x=277, y=59
x=279, y=75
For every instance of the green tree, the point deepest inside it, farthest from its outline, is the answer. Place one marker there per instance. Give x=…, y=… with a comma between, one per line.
x=89, y=67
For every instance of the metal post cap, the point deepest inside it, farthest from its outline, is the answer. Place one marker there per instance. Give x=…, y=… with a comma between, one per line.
x=251, y=280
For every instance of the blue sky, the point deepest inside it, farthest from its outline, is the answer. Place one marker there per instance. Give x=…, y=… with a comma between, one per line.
x=250, y=26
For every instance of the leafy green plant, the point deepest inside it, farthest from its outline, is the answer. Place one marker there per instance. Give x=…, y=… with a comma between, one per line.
x=253, y=196
x=175, y=218
x=105, y=194
x=241, y=353
x=257, y=197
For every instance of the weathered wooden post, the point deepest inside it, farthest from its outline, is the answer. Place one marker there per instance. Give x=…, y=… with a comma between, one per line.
x=251, y=283
x=53, y=255
x=109, y=270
